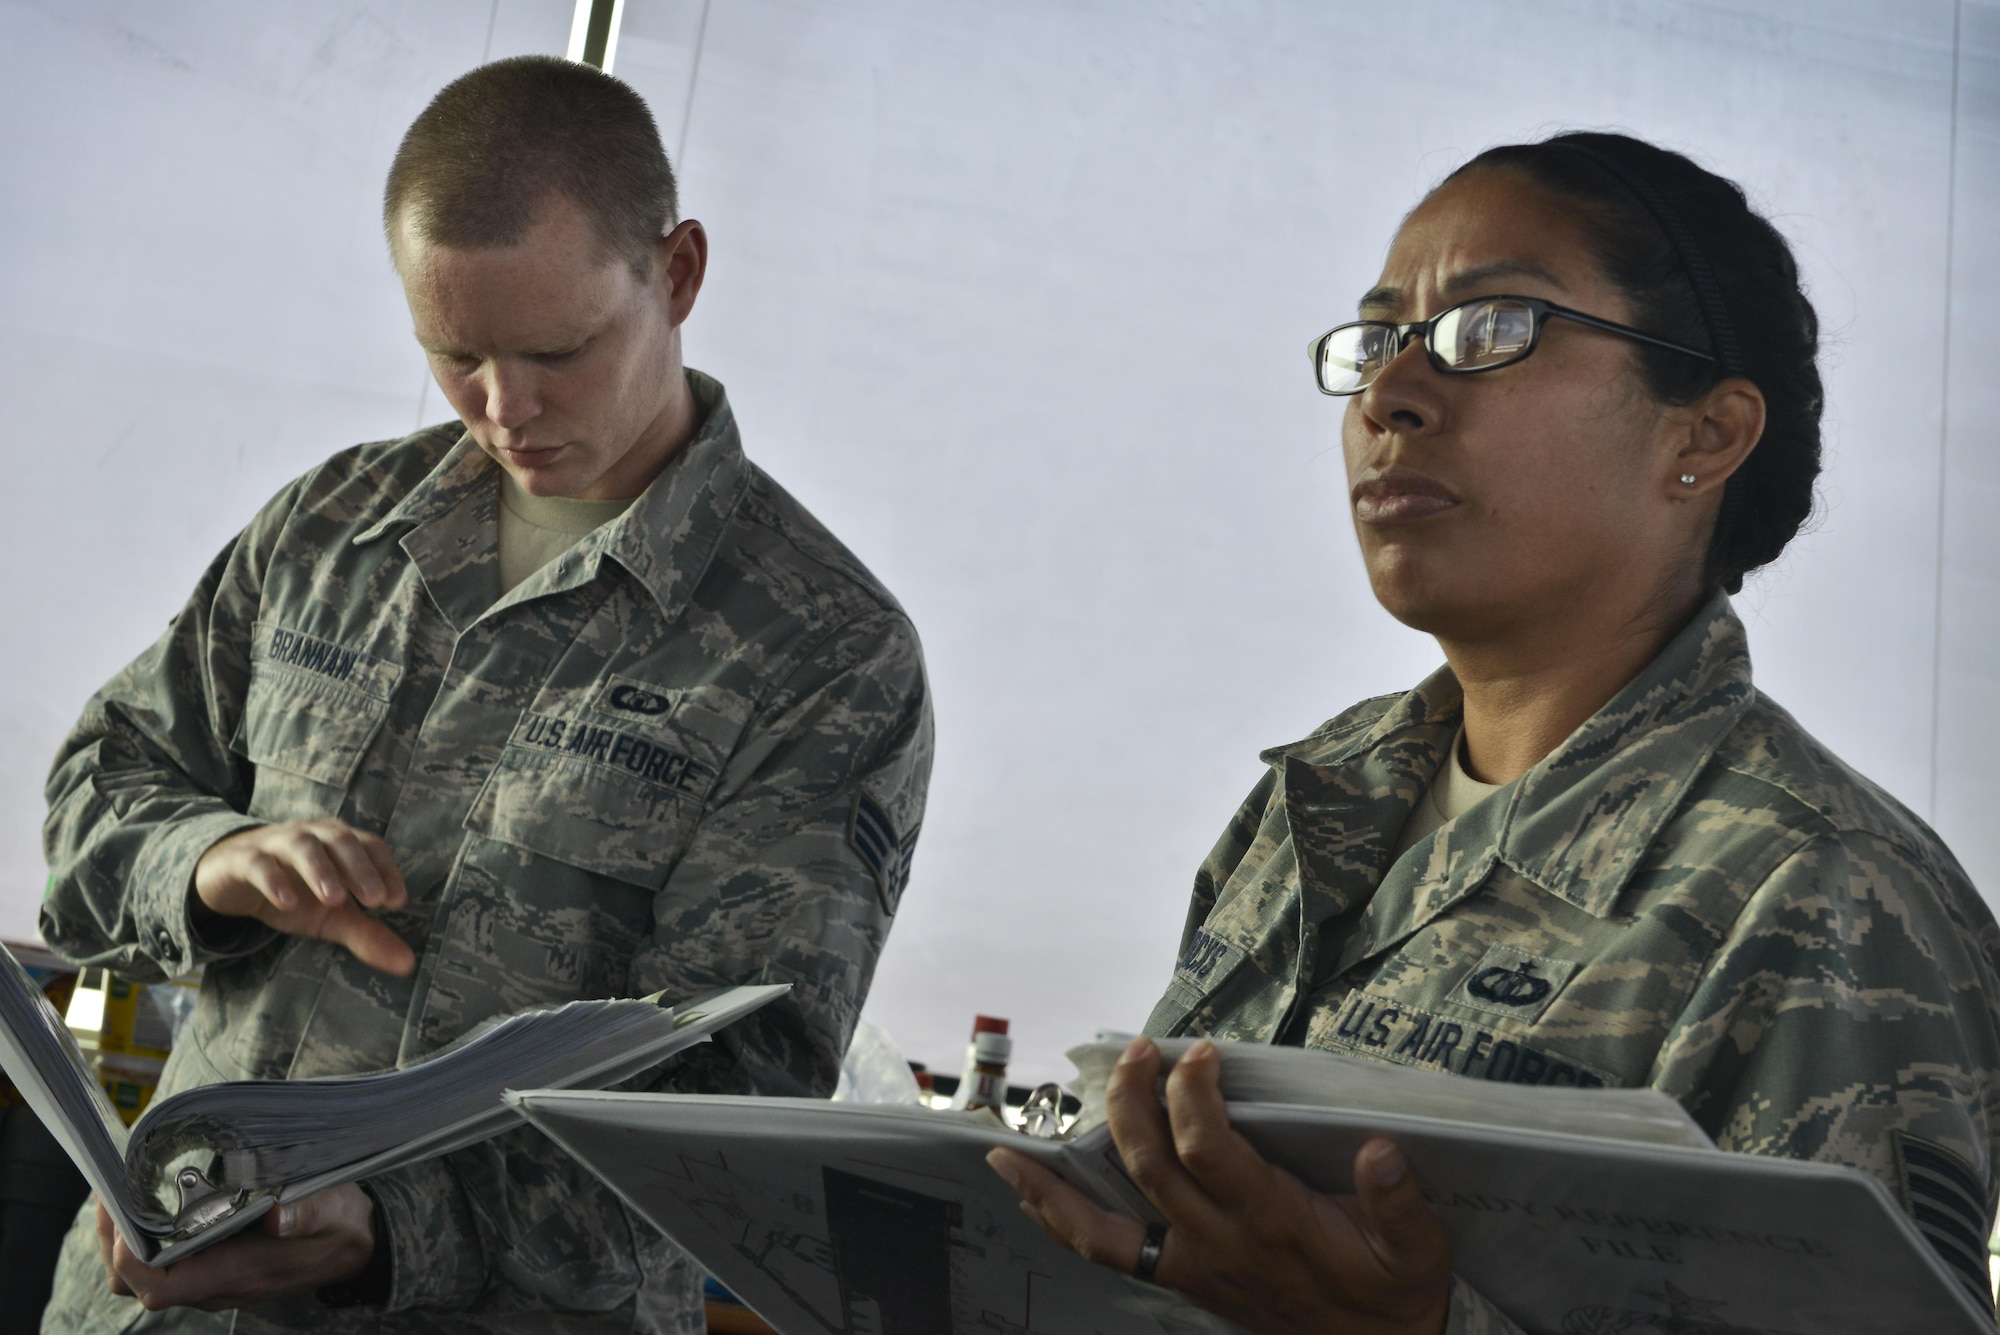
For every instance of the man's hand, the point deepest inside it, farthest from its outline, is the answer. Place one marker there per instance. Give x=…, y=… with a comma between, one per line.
x=1246, y=1239
x=298, y=1248
x=313, y=878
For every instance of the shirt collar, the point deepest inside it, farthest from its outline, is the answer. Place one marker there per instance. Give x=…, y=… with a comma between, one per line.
x=463, y=470
x=1581, y=820
x=1577, y=824
x=670, y=534
x=667, y=537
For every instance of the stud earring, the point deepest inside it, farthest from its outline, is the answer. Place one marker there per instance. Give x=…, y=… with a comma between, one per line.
x=1687, y=479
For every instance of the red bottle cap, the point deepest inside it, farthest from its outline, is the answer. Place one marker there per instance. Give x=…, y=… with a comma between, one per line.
x=987, y=1024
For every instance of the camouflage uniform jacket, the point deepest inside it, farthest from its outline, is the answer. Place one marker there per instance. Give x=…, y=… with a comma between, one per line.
x=1689, y=893
x=691, y=751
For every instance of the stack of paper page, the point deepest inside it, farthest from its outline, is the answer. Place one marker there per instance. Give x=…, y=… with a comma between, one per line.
x=1580, y=1211
x=204, y=1163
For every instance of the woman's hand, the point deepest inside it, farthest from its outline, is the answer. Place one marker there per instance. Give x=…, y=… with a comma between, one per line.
x=1245, y=1239
x=316, y=878
x=299, y=1247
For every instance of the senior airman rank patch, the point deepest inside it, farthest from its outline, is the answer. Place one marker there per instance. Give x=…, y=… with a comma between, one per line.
x=880, y=850
x=1946, y=1200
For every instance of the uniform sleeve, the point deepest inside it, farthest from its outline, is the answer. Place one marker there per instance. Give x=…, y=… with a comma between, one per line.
x=1228, y=854
x=1849, y=1018
x=792, y=876
x=146, y=783
x=795, y=875
x=1172, y=1014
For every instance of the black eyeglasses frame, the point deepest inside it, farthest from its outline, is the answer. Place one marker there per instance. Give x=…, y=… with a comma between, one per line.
x=1540, y=312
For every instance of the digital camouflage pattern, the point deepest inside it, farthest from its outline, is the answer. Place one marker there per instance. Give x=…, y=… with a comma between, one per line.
x=691, y=751
x=1690, y=893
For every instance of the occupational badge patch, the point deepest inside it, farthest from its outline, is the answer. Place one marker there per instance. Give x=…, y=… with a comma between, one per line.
x=622, y=695
x=1509, y=981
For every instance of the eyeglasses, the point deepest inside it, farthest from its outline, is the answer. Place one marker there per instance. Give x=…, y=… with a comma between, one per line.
x=1483, y=334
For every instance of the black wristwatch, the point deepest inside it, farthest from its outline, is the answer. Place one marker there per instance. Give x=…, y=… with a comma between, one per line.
x=370, y=1285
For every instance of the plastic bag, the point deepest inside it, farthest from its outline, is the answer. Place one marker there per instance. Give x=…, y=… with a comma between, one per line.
x=873, y=1071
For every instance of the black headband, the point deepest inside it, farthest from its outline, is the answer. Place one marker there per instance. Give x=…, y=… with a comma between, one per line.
x=1694, y=260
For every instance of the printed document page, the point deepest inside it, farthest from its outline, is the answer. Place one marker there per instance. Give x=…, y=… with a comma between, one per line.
x=841, y=1217
x=828, y=1217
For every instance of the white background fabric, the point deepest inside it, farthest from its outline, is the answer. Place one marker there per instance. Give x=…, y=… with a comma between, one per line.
x=1016, y=298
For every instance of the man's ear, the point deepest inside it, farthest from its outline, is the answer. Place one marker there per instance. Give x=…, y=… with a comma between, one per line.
x=680, y=261
x=1721, y=430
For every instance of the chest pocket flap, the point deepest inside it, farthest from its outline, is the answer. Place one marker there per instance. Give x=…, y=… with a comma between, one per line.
x=595, y=794
x=313, y=706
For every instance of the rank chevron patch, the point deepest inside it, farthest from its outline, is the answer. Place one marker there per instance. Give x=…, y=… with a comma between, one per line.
x=876, y=843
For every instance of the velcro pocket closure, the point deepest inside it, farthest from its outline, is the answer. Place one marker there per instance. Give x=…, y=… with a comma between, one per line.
x=313, y=706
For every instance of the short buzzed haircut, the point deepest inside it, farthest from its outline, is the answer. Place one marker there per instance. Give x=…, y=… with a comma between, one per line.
x=475, y=168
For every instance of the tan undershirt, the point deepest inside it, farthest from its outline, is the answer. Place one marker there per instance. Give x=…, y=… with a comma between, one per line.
x=1451, y=794
x=535, y=530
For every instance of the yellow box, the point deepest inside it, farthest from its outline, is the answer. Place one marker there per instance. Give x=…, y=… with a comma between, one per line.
x=129, y=1082
x=138, y=1018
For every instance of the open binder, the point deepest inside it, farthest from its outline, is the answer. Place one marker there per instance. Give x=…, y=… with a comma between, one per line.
x=201, y=1164
x=1579, y=1211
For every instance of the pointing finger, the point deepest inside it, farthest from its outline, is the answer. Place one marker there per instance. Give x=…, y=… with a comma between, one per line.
x=369, y=941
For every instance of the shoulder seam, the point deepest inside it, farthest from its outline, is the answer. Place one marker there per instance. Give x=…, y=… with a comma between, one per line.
x=1824, y=826
x=809, y=647
x=783, y=673
x=756, y=508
